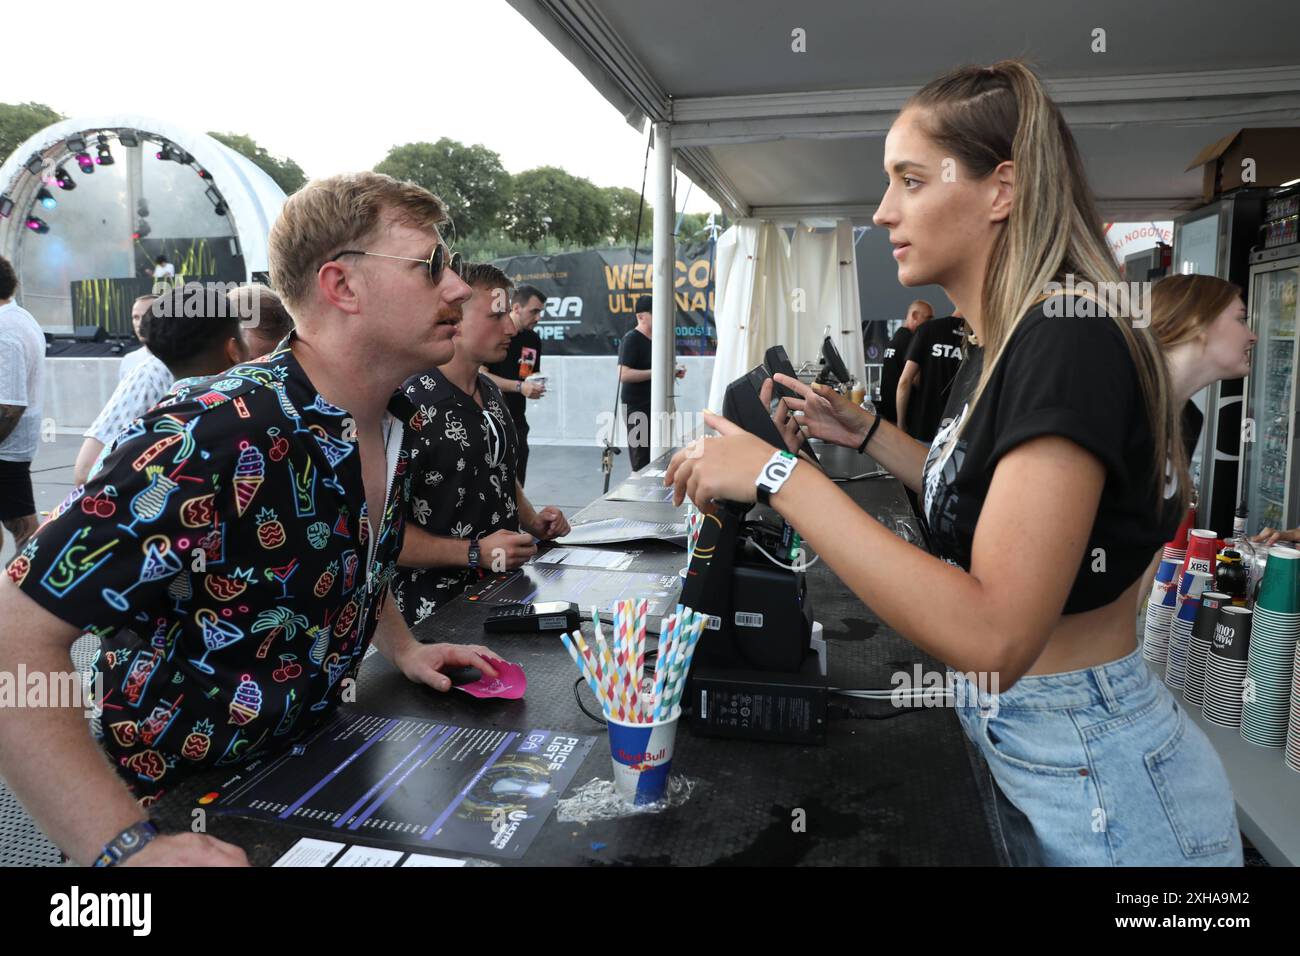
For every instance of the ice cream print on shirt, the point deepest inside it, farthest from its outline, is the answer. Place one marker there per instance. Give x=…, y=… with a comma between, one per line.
x=224, y=556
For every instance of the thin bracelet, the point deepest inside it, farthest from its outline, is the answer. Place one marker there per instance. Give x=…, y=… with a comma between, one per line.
x=862, y=449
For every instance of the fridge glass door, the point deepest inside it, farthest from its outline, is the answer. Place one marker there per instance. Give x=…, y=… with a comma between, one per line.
x=1273, y=304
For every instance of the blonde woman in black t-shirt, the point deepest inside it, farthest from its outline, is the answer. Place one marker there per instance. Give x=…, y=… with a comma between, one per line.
x=1045, y=493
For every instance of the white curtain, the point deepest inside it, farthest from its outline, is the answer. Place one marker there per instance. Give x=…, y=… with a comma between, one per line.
x=752, y=289
x=777, y=291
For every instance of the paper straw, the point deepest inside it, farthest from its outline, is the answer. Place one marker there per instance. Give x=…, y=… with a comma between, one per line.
x=591, y=660
x=682, y=667
x=608, y=663
x=675, y=668
x=665, y=657
x=591, y=681
x=642, y=607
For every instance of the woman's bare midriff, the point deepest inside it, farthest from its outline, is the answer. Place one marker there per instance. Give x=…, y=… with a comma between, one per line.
x=1094, y=637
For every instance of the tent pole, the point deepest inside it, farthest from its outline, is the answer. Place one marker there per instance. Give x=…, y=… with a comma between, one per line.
x=665, y=257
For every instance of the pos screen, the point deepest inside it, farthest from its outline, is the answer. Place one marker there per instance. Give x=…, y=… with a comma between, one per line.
x=744, y=406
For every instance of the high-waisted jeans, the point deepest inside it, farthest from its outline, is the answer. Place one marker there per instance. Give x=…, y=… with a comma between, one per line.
x=1102, y=767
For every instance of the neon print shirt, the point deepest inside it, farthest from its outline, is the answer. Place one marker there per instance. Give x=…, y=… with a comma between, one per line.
x=223, y=556
x=462, y=463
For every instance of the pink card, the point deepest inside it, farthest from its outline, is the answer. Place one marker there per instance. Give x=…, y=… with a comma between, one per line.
x=510, y=682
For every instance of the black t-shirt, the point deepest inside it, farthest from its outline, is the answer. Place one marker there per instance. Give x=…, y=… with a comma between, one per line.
x=890, y=372
x=635, y=353
x=936, y=347
x=522, y=360
x=1067, y=376
x=462, y=466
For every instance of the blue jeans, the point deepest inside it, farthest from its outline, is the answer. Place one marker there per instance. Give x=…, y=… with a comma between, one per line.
x=1102, y=767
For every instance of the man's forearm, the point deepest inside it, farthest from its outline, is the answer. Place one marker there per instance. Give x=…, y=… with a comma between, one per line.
x=392, y=636
x=420, y=549
x=8, y=422
x=505, y=384
x=631, y=375
x=86, y=457
x=527, y=513
x=51, y=763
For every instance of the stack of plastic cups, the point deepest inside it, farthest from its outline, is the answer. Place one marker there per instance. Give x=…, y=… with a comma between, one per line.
x=1271, y=665
x=1161, y=605
x=1225, y=671
x=1293, y=728
x=1198, y=650
x=1190, y=589
x=1203, y=545
x=1176, y=549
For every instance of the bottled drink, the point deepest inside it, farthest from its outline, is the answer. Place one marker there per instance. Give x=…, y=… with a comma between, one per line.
x=1250, y=556
x=1230, y=576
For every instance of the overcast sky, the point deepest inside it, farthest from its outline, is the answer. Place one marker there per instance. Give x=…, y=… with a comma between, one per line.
x=333, y=92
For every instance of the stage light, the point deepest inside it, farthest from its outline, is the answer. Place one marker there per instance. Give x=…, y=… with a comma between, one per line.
x=76, y=144
x=105, y=157
x=38, y=226
x=6, y=207
x=214, y=197
x=86, y=164
x=141, y=229
x=204, y=174
x=45, y=198
x=128, y=138
x=35, y=164
x=142, y=208
x=165, y=154
x=63, y=179
x=219, y=209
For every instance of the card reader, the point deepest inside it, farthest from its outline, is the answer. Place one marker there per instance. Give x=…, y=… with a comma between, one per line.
x=546, y=617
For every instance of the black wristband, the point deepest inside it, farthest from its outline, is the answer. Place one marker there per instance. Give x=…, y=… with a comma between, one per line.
x=862, y=449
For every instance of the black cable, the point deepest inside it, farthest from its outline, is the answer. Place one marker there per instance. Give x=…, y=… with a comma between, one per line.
x=651, y=657
x=848, y=713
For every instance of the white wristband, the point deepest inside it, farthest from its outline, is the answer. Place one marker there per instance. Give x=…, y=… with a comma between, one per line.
x=774, y=474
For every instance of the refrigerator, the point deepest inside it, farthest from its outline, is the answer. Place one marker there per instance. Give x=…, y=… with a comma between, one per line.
x=1216, y=240
x=1268, y=461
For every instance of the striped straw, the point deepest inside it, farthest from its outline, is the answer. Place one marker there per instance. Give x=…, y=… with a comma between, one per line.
x=591, y=681
x=682, y=664
x=642, y=609
x=666, y=642
x=667, y=662
x=590, y=659
x=607, y=663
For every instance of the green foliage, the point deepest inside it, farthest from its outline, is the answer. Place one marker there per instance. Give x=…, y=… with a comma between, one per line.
x=469, y=179
x=287, y=174
x=19, y=121
x=579, y=211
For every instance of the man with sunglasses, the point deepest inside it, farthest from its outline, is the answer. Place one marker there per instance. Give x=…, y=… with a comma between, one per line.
x=468, y=513
x=248, y=528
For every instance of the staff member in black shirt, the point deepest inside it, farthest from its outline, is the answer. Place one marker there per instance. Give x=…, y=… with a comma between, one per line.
x=467, y=512
x=634, y=357
x=933, y=358
x=918, y=313
x=524, y=358
x=1046, y=492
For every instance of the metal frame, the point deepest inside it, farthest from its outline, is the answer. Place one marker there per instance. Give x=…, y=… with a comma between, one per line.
x=1289, y=517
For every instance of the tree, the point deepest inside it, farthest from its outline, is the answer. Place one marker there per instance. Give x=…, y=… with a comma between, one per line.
x=623, y=204
x=469, y=179
x=19, y=121
x=287, y=174
x=578, y=211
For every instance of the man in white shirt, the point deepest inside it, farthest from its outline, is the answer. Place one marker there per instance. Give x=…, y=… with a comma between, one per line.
x=183, y=347
x=22, y=369
x=163, y=271
x=133, y=360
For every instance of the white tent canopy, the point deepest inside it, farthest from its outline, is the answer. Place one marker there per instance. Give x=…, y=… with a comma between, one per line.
x=779, y=113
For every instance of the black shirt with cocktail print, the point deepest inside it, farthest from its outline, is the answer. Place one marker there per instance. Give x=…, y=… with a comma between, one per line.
x=462, y=459
x=1064, y=375
x=223, y=556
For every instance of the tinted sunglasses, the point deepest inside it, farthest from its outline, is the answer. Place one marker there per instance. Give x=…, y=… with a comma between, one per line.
x=438, y=259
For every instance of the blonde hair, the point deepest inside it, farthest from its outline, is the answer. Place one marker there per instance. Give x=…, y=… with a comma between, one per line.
x=328, y=215
x=1184, y=306
x=984, y=116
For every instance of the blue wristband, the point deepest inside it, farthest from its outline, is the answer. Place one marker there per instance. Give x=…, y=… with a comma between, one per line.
x=126, y=844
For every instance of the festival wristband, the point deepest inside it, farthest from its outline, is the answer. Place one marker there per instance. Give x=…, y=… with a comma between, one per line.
x=126, y=844
x=774, y=474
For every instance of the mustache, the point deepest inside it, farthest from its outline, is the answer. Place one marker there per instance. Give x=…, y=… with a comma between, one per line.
x=451, y=313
